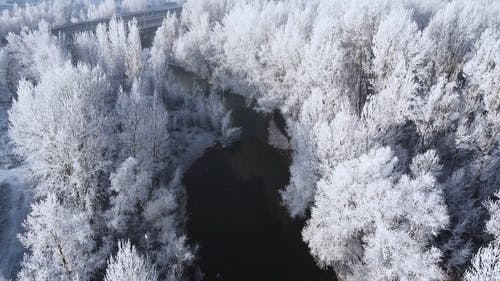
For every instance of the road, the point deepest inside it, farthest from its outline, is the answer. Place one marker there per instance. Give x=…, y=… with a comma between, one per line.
x=145, y=19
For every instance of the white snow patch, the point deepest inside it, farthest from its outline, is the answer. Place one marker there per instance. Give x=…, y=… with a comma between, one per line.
x=14, y=202
x=276, y=138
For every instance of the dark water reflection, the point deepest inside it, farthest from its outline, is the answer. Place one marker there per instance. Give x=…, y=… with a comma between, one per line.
x=235, y=214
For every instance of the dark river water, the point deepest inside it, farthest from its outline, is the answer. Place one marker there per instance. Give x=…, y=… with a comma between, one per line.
x=235, y=212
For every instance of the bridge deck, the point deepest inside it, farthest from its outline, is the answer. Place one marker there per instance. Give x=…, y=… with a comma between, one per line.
x=145, y=19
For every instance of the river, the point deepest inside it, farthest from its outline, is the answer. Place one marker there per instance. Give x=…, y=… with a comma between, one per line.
x=235, y=212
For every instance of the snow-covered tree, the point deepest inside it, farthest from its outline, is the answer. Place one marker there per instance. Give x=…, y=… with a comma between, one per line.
x=364, y=202
x=171, y=252
x=163, y=47
x=134, y=59
x=132, y=187
x=194, y=47
x=112, y=48
x=31, y=54
x=144, y=133
x=351, y=76
x=393, y=50
x=213, y=116
x=58, y=239
x=480, y=132
x=62, y=127
x=101, y=9
x=117, y=36
x=134, y=5
x=55, y=12
x=116, y=47
x=486, y=262
x=446, y=53
x=417, y=77
x=395, y=255
x=475, y=178
x=129, y=265
x=86, y=48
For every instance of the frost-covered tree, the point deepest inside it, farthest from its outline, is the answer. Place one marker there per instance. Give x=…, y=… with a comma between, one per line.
x=31, y=54
x=314, y=149
x=364, y=202
x=419, y=77
x=106, y=156
x=446, y=54
x=117, y=36
x=58, y=238
x=486, y=262
x=163, y=47
x=144, y=207
x=134, y=5
x=112, y=48
x=132, y=186
x=152, y=217
x=144, y=133
x=352, y=76
x=86, y=49
x=116, y=48
x=194, y=47
x=129, y=265
x=62, y=127
x=171, y=252
x=101, y=9
x=134, y=59
x=55, y=12
x=481, y=133
x=395, y=255
x=393, y=50
x=213, y=116
x=476, y=150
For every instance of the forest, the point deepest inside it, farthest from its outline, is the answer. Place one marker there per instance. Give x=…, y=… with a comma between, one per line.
x=391, y=112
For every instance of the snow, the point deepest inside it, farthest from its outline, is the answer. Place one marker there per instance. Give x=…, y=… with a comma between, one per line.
x=14, y=204
x=276, y=138
x=14, y=207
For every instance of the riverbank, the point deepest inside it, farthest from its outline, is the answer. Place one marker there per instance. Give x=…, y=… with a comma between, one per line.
x=14, y=204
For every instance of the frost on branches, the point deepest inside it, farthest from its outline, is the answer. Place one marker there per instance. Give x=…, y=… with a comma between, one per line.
x=419, y=78
x=392, y=108
x=129, y=265
x=105, y=155
x=368, y=219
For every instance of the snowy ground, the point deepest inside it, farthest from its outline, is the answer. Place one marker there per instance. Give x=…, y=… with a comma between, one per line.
x=13, y=209
x=14, y=204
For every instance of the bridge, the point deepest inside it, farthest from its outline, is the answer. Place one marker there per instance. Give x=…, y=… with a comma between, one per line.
x=145, y=19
